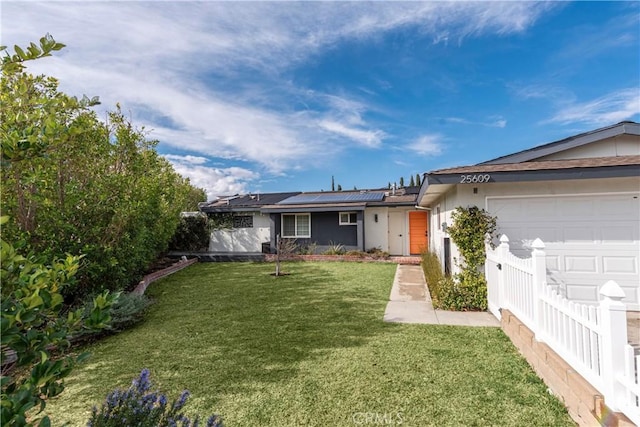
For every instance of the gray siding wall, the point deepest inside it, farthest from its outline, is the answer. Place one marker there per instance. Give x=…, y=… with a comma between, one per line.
x=325, y=230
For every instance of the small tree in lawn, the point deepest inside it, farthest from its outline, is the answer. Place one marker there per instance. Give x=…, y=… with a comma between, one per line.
x=284, y=249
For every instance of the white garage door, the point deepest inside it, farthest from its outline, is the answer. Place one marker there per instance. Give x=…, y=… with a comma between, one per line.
x=589, y=239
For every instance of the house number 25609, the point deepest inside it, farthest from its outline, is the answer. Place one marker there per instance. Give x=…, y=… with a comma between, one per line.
x=474, y=179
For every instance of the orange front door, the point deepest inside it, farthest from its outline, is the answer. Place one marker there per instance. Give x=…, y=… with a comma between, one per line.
x=418, y=232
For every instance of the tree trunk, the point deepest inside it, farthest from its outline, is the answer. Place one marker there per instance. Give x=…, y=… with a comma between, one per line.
x=278, y=255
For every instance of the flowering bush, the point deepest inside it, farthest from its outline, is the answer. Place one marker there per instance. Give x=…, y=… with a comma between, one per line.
x=140, y=406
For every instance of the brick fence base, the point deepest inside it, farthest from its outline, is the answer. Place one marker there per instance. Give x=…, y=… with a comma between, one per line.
x=584, y=403
x=149, y=278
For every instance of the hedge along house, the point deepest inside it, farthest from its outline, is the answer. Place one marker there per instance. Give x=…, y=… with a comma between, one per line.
x=356, y=220
x=240, y=226
x=580, y=195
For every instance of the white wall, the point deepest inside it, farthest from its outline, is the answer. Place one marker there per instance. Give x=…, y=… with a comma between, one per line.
x=622, y=145
x=447, y=205
x=242, y=239
x=376, y=234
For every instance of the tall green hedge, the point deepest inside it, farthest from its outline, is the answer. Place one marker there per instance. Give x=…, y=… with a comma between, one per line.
x=76, y=184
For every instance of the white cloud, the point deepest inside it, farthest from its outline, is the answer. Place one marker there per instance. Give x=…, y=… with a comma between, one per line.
x=216, y=181
x=608, y=109
x=426, y=145
x=542, y=91
x=192, y=160
x=176, y=66
x=493, y=121
x=363, y=137
x=499, y=123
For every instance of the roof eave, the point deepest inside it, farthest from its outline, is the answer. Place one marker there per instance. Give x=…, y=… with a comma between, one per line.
x=629, y=128
x=618, y=171
x=316, y=208
x=223, y=209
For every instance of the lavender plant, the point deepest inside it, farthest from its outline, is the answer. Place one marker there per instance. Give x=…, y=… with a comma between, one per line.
x=141, y=406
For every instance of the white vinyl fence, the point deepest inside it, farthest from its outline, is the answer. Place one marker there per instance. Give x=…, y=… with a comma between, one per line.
x=592, y=339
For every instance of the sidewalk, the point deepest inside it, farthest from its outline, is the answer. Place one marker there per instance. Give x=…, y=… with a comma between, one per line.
x=410, y=302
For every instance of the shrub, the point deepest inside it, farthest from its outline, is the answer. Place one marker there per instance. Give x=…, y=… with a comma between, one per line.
x=470, y=225
x=140, y=406
x=358, y=254
x=33, y=326
x=335, y=249
x=467, y=292
x=432, y=268
x=433, y=275
x=128, y=310
x=125, y=312
x=309, y=249
x=378, y=253
x=192, y=234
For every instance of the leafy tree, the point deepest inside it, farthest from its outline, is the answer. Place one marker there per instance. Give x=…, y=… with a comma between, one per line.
x=31, y=325
x=412, y=182
x=339, y=187
x=12, y=63
x=192, y=234
x=401, y=182
x=418, y=180
x=333, y=184
x=77, y=185
x=193, y=196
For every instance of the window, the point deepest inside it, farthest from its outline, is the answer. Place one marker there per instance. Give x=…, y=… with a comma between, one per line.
x=243, y=221
x=296, y=225
x=348, y=218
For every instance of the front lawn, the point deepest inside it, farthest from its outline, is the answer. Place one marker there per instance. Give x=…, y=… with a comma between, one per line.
x=309, y=348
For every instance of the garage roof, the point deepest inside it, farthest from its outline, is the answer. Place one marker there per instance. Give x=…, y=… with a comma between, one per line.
x=523, y=166
x=593, y=162
x=628, y=128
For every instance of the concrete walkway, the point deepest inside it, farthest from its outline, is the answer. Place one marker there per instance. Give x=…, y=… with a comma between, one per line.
x=410, y=302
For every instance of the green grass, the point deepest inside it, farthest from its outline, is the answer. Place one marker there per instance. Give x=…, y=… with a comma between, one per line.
x=309, y=348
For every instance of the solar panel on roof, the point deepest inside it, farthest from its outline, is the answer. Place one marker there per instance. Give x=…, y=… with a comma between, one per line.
x=301, y=199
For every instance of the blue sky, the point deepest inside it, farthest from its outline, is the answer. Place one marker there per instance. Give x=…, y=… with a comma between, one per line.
x=280, y=96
